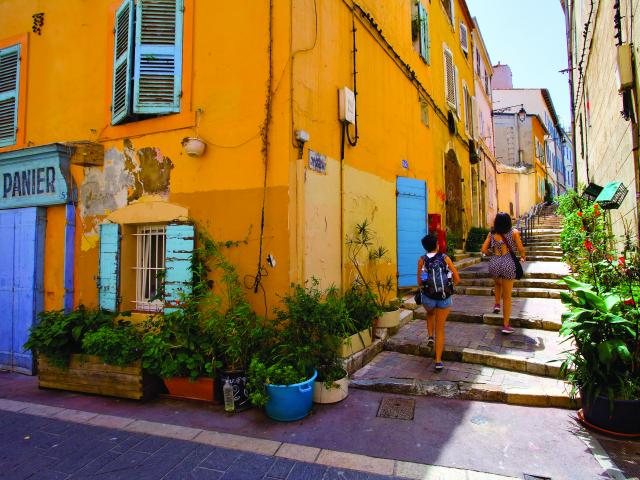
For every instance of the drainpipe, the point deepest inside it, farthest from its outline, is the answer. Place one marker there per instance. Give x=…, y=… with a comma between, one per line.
x=69, y=255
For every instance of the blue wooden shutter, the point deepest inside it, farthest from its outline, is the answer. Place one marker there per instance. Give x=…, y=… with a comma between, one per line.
x=424, y=32
x=178, y=257
x=9, y=82
x=158, y=56
x=109, y=266
x=122, y=62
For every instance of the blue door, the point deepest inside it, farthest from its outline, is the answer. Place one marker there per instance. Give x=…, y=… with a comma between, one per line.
x=21, y=282
x=411, y=225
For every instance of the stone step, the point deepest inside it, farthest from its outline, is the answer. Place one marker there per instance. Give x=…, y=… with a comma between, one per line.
x=524, y=283
x=399, y=373
x=542, y=250
x=555, y=270
x=544, y=258
x=526, y=350
x=467, y=262
x=516, y=292
x=537, y=313
x=545, y=231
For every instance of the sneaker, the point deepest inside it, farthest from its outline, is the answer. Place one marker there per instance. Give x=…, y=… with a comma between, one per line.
x=496, y=308
x=507, y=330
x=430, y=342
x=439, y=366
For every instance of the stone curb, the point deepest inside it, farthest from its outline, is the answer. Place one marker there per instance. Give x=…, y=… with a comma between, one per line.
x=465, y=391
x=330, y=458
x=518, y=292
x=496, y=319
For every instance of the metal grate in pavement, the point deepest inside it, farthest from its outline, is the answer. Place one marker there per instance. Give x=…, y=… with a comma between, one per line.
x=397, y=408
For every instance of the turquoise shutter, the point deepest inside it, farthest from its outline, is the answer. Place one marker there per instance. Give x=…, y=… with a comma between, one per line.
x=109, y=266
x=122, y=56
x=179, y=253
x=424, y=32
x=9, y=81
x=158, y=56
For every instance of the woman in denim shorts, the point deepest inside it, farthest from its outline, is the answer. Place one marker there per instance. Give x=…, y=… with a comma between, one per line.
x=437, y=310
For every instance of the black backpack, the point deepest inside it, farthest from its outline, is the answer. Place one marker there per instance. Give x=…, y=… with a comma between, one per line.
x=438, y=286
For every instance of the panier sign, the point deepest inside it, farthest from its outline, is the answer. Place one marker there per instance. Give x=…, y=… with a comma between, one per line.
x=40, y=177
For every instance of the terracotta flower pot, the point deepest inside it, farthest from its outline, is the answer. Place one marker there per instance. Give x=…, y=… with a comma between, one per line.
x=181, y=387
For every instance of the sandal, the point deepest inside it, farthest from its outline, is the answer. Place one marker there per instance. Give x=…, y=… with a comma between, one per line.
x=496, y=308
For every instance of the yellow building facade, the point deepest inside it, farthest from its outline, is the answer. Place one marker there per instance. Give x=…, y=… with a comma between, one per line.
x=258, y=83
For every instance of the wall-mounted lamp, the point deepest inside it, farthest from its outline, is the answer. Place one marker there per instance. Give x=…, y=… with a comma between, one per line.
x=302, y=137
x=522, y=114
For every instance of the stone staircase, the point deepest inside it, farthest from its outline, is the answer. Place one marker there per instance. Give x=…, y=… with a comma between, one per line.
x=480, y=362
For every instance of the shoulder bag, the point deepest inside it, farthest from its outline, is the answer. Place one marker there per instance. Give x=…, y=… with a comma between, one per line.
x=519, y=270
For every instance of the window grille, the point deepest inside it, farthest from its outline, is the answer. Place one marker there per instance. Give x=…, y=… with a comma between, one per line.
x=150, y=255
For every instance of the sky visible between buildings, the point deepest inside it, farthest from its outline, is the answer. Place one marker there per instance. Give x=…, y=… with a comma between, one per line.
x=529, y=36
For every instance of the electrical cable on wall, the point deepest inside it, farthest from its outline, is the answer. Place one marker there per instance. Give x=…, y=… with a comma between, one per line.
x=264, y=133
x=353, y=142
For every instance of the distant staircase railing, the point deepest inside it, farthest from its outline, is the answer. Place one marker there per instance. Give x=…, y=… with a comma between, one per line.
x=527, y=222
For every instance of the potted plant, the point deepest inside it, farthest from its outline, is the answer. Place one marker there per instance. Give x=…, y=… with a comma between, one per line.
x=234, y=328
x=362, y=310
x=303, y=343
x=178, y=350
x=90, y=351
x=368, y=262
x=602, y=322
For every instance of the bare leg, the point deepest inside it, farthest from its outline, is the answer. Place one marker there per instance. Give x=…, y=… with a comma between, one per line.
x=441, y=317
x=431, y=321
x=497, y=290
x=507, y=287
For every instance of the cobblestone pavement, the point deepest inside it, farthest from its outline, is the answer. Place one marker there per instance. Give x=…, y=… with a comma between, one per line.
x=38, y=448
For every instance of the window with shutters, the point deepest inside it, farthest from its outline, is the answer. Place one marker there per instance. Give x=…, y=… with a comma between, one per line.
x=9, y=94
x=420, y=30
x=448, y=8
x=145, y=267
x=464, y=38
x=147, y=68
x=451, y=89
x=468, y=111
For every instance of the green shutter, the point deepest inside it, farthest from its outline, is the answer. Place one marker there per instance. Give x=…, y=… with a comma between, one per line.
x=9, y=82
x=178, y=257
x=424, y=33
x=158, y=56
x=109, y=266
x=122, y=58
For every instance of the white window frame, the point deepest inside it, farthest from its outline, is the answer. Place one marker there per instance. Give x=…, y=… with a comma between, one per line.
x=464, y=33
x=452, y=102
x=147, y=267
x=453, y=15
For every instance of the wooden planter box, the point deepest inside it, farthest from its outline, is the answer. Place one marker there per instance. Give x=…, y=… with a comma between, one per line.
x=355, y=343
x=89, y=374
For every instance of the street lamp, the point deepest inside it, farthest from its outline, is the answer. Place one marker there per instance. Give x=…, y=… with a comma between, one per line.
x=522, y=113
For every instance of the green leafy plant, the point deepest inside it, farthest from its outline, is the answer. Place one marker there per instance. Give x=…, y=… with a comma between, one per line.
x=58, y=334
x=604, y=330
x=116, y=344
x=367, y=260
x=454, y=241
x=306, y=334
x=361, y=307
x=475, y=239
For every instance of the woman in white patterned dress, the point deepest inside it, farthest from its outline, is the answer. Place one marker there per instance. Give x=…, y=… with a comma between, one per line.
x=501, y=267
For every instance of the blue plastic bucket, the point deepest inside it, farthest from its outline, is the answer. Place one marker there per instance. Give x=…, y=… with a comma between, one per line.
x=290, y=402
